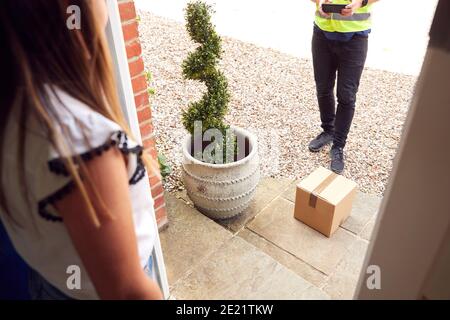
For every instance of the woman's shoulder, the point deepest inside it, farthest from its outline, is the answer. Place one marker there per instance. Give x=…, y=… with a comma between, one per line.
x=82, y=127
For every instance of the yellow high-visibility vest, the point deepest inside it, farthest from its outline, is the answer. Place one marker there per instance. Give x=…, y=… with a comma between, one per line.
x=359, y=21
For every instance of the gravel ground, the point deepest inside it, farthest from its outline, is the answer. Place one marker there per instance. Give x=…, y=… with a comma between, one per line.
x=273, y=95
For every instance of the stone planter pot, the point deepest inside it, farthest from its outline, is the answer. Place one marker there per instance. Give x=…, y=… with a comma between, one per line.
x=222, y=191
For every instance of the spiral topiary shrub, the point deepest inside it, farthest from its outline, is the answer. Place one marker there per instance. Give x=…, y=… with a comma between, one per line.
x=201, y=65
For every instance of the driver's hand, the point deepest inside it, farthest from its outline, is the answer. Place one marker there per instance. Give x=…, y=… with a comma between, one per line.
x=351, y=8
x=323, y=14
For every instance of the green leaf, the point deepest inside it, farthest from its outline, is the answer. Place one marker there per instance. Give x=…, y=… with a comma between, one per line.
x=164, y=167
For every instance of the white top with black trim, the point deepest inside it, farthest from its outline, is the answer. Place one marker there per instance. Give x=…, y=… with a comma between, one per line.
x=41, y=237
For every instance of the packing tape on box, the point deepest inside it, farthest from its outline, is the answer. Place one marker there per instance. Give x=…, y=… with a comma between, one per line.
x=316, y=192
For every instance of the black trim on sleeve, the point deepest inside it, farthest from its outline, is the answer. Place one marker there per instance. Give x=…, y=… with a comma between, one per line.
x=58, y=195
x=120, y=140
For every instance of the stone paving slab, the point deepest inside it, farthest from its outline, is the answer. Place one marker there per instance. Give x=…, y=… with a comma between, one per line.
x=288, y=260
x=367, y=231
x=342, y=283
x=238, y=270
x=365, y=207
x=189, y=238
x=277, y=224
x=289, y=193
x=267, y=190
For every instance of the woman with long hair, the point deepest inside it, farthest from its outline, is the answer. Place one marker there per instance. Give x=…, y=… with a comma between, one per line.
x=73, y=197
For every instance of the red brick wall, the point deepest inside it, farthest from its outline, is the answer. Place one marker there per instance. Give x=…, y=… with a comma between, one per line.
x=139, y=83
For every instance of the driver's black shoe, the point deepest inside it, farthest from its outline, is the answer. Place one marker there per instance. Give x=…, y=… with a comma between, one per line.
x=320, y=141
x=337, y=159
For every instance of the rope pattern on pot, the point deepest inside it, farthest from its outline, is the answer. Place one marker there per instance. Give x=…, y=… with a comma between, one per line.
x=227, y=209
x=226, y=182
x=196, y=194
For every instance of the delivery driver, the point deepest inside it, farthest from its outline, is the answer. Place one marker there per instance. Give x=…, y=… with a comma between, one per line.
x=339, y=47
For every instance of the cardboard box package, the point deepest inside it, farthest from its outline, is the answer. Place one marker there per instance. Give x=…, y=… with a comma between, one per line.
x=324, y=200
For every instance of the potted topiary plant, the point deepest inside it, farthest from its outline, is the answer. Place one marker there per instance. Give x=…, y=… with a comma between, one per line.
x=221, y=164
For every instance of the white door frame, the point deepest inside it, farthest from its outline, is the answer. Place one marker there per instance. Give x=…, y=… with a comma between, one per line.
x=414, y=219
x=126, y=95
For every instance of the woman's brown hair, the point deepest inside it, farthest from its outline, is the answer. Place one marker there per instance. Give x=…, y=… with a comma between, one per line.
x=38, y=49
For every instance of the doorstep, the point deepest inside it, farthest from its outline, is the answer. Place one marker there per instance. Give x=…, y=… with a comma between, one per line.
x=205, y=261
x=241, y=258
